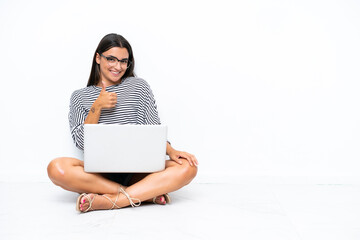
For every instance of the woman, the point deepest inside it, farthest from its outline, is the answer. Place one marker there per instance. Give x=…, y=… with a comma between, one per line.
x=115, y=96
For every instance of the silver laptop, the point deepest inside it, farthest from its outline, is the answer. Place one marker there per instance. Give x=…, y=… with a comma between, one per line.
x=124, y=148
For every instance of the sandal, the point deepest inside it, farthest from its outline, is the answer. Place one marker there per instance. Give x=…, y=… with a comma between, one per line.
x=78, y=201
x=167, y=199
x=90, y=202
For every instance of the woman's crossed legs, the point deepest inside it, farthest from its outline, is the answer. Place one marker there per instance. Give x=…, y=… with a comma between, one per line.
x=69, y=174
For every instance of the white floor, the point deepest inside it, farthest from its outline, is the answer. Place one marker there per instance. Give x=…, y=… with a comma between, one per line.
x=198, y=211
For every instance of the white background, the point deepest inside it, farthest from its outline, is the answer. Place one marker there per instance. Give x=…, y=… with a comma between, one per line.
x=253, y=88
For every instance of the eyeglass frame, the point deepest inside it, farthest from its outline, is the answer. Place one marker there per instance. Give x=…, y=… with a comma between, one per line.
x=119, y=60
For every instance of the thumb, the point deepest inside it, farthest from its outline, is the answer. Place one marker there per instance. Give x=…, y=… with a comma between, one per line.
x=103, y=86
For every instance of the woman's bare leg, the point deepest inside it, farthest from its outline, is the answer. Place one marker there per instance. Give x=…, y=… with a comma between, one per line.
x=69, y=174
x=139, y=176
x=174, y=177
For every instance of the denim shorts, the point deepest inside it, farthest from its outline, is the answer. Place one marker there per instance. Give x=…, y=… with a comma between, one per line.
x=122, y=178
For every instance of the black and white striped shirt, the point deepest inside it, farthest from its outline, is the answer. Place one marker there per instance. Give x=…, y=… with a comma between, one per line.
x=135, y=105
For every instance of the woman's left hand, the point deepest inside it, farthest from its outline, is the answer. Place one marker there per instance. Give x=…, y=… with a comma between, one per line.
x=177, y=156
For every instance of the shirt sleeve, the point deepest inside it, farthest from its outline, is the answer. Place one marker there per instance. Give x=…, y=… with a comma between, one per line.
x=151, y=115
x=77, y=116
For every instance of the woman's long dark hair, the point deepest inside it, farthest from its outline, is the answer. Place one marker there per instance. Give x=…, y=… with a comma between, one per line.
x=109, y=41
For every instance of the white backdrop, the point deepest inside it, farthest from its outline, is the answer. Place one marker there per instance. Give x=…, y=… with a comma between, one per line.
x=253, y=88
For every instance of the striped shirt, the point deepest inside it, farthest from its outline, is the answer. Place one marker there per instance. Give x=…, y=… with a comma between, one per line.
x=135, y=105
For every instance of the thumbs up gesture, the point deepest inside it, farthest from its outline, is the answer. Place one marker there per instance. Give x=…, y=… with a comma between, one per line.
x=106, y=99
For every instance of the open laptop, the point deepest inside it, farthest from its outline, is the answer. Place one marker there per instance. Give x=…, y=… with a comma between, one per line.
x=124, y=148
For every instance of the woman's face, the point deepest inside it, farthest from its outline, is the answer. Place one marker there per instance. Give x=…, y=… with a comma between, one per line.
x=111, y=70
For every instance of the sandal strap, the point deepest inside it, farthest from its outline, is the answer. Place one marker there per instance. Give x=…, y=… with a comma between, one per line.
x=121, y=190
x=130, y=198
x=90, y=201
x=113, y=202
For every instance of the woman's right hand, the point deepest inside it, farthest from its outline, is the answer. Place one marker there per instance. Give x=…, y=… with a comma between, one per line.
x=106, y=99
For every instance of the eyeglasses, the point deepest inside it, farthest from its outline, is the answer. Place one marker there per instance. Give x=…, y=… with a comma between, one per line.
x=112, y=61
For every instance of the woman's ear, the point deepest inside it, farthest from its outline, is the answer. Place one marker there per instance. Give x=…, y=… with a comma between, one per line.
x=98, y=58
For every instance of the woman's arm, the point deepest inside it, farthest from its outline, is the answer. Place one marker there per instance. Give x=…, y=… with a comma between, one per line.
x=105, y=100
x=151, y=116
x=94, y=114
x=78, y=115
x=177, y=156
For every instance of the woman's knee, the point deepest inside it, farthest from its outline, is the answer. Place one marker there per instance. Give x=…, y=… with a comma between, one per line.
x=187, y=172
x=56, y=170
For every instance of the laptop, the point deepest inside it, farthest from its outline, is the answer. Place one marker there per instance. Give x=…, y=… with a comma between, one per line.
x=124, y=148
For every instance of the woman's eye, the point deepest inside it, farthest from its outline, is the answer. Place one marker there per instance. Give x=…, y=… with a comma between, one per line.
x=124, y=61
x=111, y=60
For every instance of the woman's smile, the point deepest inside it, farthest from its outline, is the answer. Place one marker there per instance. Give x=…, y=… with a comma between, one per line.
x=112, y=72
x=115, y=73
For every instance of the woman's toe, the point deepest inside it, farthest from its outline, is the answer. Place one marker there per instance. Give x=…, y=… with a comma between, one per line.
x=160, y=200
x=84, y=204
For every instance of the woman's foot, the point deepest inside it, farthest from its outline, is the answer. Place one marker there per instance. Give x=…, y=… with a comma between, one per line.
x=159, y=200
x=92, y=201
x=162, y=199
